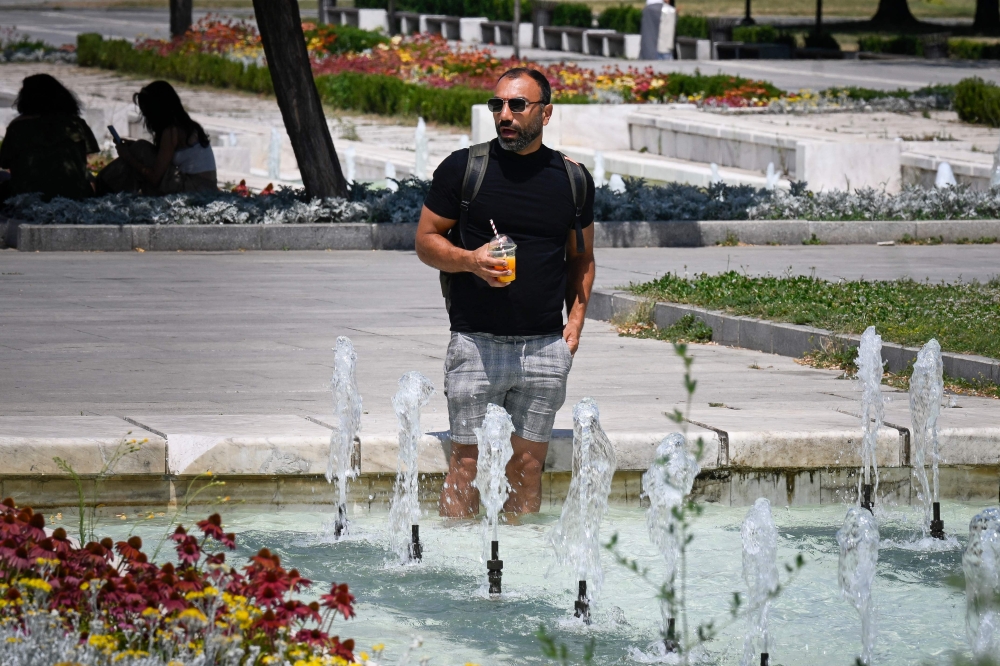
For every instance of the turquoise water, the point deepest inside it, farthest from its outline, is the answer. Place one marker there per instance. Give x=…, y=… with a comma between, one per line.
x=443, y=600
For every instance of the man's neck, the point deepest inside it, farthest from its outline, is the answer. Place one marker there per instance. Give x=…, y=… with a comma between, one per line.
x=532, y=147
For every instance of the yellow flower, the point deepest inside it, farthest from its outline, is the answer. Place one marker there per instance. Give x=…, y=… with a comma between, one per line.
x=36, y=583
x=364, y=656
x=103, y=642
x=192, y=614
x=149, y=612
x=378, y=648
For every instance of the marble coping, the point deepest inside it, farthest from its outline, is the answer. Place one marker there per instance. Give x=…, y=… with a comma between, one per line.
x=89, y=445
x=295, y=446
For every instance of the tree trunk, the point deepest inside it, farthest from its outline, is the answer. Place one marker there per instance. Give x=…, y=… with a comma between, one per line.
x=280, y=28
x=893, y=13
x=180, y=17
x=987, y=16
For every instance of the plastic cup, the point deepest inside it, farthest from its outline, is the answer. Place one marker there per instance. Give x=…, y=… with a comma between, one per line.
x=502, y=247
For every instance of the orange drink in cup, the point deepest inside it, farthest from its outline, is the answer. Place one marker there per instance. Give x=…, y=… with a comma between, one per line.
x=501, y=247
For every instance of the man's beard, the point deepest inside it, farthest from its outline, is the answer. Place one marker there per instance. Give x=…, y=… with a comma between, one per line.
x=526, y=134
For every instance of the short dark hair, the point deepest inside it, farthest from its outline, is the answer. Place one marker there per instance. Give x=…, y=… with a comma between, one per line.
x=543, y=83
x=43, y=95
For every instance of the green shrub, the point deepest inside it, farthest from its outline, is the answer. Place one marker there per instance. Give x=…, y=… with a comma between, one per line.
x=572, y=14
x=755, y=34
x=345, y=38
x=899, y=45
x=692, y=26
x=967, y=49
x=387, y=95
x=822, y=40
x=194, y=68
x=978, y=101
x=623, y=18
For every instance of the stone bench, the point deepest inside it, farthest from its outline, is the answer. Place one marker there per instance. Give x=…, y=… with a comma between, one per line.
x=562, y=38
x=407, y=23
x=501, y=33
x=692, y=48
x=366, y=19
x=611, y=44
x=453, y=28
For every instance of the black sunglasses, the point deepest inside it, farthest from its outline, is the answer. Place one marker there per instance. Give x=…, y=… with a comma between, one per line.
x=516, y=104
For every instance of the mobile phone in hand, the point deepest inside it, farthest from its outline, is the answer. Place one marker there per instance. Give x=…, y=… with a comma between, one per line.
x=114, y=134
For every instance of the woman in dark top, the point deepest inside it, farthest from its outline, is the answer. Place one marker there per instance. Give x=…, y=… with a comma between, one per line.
x=180, y=159
x=46, y=146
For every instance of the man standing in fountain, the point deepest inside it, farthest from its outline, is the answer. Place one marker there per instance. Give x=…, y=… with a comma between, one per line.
x=509, y=343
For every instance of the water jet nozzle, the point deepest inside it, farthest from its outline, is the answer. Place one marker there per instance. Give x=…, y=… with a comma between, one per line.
x=340, y=525
x=581, y=604
x=866, y=498
x=765, y=659
x=670, y=643
x=937, y=525
x=416, y=548
x=494, y=569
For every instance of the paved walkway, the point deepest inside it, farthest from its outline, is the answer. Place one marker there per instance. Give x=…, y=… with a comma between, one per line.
x=251, y=333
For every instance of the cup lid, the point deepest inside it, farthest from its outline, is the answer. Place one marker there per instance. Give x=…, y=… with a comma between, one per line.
x=502, y=242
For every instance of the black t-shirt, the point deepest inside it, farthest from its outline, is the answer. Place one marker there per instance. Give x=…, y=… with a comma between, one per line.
x=530, y=200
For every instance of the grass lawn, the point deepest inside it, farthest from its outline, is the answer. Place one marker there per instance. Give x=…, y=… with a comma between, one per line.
x=963, y=317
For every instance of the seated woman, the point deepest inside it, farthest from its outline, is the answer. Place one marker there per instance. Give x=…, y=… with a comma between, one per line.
x=46, y=146
x=180, y=158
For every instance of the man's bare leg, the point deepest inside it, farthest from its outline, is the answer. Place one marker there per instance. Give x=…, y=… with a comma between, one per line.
x=524, y=472
x=459, y=499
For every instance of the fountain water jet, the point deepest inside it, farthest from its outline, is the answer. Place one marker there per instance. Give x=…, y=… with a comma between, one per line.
x=404, y=511
x=347, y=408
x=859, y=541
x=666, y=483
x=495, y=452
x=576, y=537
x=869, y=362
x=926, y=391
x=760, y=571
x=981, y=564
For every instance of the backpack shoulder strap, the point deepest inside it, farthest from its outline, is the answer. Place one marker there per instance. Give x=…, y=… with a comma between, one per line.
x=475, y=172
x=578, y=186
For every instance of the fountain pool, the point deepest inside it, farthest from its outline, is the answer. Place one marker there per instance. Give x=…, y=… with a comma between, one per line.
x=444, y=599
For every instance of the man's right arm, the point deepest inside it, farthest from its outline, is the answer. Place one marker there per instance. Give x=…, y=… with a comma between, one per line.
x=435, y=250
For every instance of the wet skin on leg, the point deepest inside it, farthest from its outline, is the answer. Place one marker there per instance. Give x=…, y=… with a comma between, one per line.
x=459, y=499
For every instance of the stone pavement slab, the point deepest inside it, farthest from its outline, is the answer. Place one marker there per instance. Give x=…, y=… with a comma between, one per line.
x=89, y=445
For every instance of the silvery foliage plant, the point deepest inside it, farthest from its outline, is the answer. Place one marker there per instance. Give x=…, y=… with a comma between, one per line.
x=286, y=206
x=912, y=203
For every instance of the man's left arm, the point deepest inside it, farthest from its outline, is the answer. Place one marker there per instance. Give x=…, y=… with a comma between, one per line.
x=580, y=272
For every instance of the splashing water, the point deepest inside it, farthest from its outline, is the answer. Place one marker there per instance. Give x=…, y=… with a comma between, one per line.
x=421, y=149
x=760, y=571
x=495, y=452
x=576, y=537
x=404, y=512
x=926, y=391
x=347, y=409
x=981, y=564
x=667, y=482
x=859, y=541
x=869, y=362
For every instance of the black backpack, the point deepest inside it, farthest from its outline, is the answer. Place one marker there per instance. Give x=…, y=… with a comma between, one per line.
x=475, y=172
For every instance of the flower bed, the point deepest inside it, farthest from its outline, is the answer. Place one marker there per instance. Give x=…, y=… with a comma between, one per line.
x=640, y=201
x=15, y=46
x=101, y=602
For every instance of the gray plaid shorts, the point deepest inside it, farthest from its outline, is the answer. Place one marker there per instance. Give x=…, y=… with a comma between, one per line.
x=524, y=375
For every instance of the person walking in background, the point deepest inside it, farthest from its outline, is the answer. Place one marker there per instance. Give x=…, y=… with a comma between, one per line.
x=46, y=145
x=509, y=344
x=659, y=22
x=180, y=158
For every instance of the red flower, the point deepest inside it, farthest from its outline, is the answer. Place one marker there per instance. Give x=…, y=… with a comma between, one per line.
x=188, y=550
x=339, y=600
